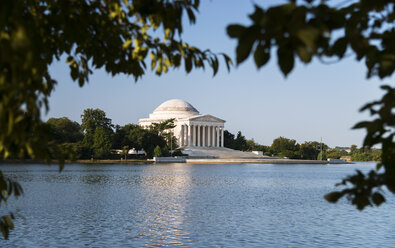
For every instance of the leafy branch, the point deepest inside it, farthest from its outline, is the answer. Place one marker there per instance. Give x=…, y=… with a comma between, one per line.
x=314, y=29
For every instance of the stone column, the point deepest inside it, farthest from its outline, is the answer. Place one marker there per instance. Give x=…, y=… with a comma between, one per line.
x=185, y=135
x=191, y=143
x=204, y=136
x=217, y=136
x=181, y=139
x=198, y=135
x=189, y=135
x=194, y=136
x=222, y=137
x=214, y=132
x=209, y=135
x=213, y=136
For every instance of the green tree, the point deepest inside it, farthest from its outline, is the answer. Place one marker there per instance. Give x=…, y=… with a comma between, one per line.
x=68, y=135
x=91, y=120
x=314, y=28
x=310, y=150
x=139, y=138
x=75, y=150
x=322, y=155
x=136, y=136
x=251, y=145
x=127, y=136
x=266, y=150
x=343, y=152
x=119, y=138
x=101, y=143
x=64, y=130
x=366, y=154
x=360, y=156
x=333, y=153
x=229, y=139
x=376, y=155
x=157, y=152
x=94, y=118
x=285, y=147
x=163, y=126
x=150, y=140
x=240, y=142
x=164, y=129
x=353, y=149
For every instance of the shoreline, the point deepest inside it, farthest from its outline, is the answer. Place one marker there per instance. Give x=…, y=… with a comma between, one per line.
x=79, y=161
x=260, y=161
x=186, y=160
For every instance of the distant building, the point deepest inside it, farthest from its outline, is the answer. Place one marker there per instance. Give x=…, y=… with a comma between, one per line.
x=130, y=151
x=192, y=128
x=346, y=158
x=347, y=149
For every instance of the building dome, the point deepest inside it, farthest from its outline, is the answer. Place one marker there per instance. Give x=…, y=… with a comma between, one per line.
x=174, y=108
x=176, y=105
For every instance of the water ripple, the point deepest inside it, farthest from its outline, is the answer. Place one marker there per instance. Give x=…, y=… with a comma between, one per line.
x=187, y=205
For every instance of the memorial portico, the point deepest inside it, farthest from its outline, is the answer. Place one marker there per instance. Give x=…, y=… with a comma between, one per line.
x=192, y=129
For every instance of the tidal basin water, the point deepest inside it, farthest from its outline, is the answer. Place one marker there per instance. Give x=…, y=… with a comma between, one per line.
x=190, y=205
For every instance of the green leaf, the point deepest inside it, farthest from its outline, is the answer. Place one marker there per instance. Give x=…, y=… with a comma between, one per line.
x=333, y=197
x=126, y=44
x=362, y=124
x=215, y=65
x=261, y=56
x=304, y=55
x=235, y=30
x=4, y=230
x=188, y=64
x=386, y=68
x=8, y=221
x=340, y=46
x=191, y=15
x=309, y=37
x=378, y=199
x=228, y=61
x=256, y=17
x=285, y=59
x=244, y=47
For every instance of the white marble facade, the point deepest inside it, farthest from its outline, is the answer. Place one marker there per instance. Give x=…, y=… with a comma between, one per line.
x=192, y=128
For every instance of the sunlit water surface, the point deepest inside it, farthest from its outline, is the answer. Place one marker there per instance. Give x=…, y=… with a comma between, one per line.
x=186, y=205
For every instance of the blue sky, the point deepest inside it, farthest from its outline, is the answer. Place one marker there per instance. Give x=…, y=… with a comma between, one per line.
x=316, y=100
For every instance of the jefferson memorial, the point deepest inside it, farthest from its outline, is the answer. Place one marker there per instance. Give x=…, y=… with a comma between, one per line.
x=192, y=129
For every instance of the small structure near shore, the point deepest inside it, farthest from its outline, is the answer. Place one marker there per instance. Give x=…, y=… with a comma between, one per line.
x=169, y=160
x=337, y=161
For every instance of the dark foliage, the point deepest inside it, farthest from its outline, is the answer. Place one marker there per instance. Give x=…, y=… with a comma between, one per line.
x=314, y=28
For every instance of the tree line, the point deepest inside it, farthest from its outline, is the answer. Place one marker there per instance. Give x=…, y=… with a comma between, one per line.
x=309, y=150
x=365, y=154
x=281, y=147
x=98, y=138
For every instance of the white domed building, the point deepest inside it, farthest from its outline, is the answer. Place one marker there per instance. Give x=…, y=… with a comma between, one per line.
x=192, y=128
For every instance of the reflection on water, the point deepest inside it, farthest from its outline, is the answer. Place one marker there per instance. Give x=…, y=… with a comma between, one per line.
x=186, y=205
